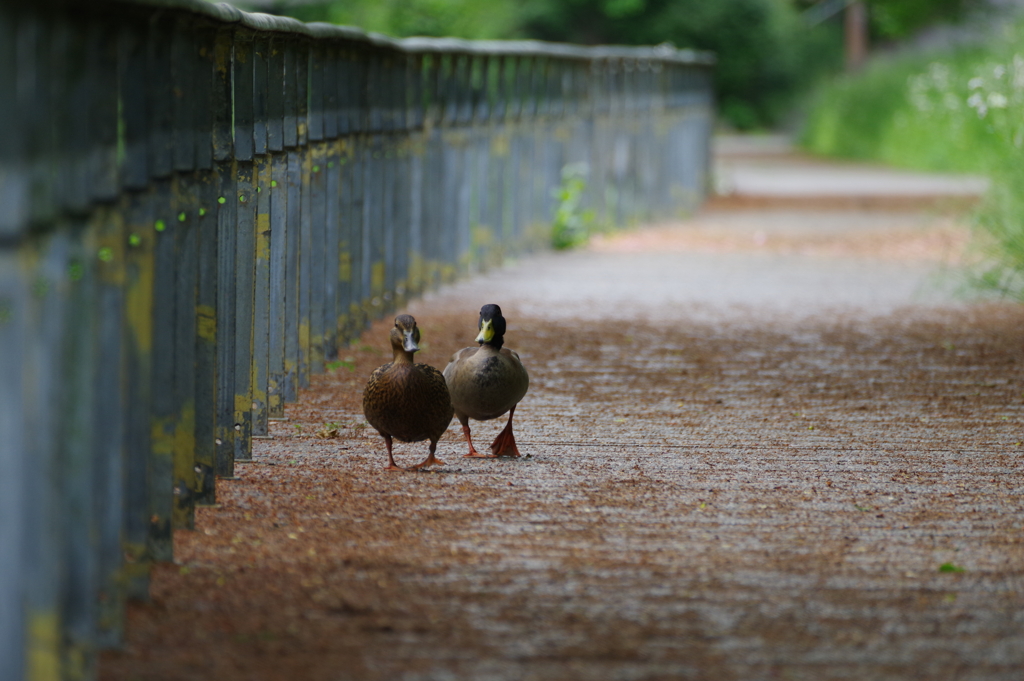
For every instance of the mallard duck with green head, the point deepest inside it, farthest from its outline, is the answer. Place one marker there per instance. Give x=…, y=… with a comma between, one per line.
x=486, y=381
x=407, y=401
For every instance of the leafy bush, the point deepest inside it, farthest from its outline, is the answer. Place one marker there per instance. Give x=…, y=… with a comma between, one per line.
x=572, y=225
x=901, y=18
x=894, y=110
x=960, y=111
x=996, y=95
x=765, y=51
x=1001, y=239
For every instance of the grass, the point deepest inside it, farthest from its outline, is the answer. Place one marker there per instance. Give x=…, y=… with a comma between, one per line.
x=907, y=111
x=960, y=110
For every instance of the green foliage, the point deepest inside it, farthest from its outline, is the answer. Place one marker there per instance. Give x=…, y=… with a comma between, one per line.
x=900, y=18
x=958, y=111
x=894, y=109
x=950, y=567
x=765, y=51
x=1000, y=224
x=348, y=363
x=572, y=224
x=471, y=19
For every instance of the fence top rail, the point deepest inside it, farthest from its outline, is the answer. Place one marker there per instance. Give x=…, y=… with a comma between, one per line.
x=228, y=14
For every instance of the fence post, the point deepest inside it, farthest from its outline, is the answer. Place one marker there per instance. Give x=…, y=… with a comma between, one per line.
x=205, y=216
x=332, y=201
x=242, y=81
x=165, y=397
x=304, y=251
x=187, y=479
x=14, y=454
x=75, y=412
x=317, y=259
x=47, y=323
x=279, y=227
x=293, y=203
x=14, y=185
x=227, y=210
x=263, y=163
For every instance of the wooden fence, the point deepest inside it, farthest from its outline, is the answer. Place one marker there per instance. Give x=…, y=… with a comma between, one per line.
x=199, y=206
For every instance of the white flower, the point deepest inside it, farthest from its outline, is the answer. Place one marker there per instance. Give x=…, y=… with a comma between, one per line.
x=997, y=100
x=999, y=71
x=975, y=83
x=977, y=102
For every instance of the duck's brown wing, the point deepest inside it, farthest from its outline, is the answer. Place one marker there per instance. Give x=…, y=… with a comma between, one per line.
x=376, y=396
x=409, y=402
x=434, y=402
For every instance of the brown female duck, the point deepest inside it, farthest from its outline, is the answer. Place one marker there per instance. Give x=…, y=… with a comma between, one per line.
x=487, y=381
x=407, y=401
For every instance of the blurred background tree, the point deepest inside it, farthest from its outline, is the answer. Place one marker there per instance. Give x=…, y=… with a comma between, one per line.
x=765, y=51
x=769, y=53
x=898, y=19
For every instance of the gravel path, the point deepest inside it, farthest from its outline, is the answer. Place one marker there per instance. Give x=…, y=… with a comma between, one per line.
x=767, y=444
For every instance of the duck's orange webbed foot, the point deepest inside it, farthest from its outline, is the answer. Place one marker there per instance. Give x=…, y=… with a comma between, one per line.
x=431, y=460
x=505, y=443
